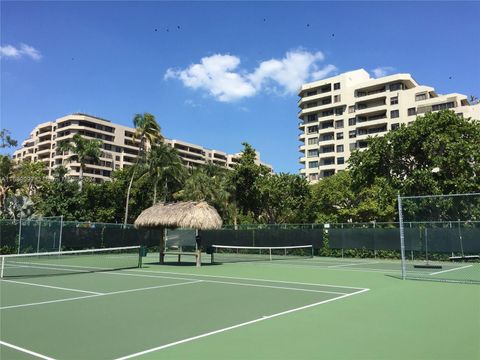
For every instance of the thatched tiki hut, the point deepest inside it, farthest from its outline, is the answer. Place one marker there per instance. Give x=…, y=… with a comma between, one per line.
x=188, y=215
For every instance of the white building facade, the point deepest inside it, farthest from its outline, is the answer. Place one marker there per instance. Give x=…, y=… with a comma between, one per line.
x=118, y=147
x=338, y=114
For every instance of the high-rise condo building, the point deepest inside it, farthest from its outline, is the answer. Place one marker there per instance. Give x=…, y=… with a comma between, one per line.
x=338, y=114
x=118, y=147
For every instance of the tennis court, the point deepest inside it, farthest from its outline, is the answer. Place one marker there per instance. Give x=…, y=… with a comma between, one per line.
x=299, y=308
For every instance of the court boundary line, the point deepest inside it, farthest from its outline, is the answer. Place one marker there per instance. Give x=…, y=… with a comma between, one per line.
x=232, y=283
x=263, y=318
x=99, y=295
x=353, y=264
x=53, y=287
x=448, y=270
x=29, y=352
x=243, y=278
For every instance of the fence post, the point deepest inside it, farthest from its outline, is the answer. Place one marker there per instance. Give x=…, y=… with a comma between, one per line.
x=402, y=236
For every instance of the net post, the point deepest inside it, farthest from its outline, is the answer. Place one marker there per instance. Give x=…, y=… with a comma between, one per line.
x=60, y=235
x=312, y=252
x=402, y=236
x=2, y=266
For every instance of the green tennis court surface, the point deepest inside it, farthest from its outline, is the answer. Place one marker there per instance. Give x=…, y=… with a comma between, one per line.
x=290, y=309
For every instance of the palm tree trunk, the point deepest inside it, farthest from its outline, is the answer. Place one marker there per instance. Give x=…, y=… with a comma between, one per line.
x=155, y=192
x=128, y=198
x=80, y=182
x=165, y=189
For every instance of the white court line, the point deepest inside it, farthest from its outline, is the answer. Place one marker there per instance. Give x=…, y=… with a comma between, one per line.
x=242, y=278
x=47, y=302
x=103, y=294
x=232, y=283
x=25, y=351
x=454, y=269
x=354, y=264
x=53, y=287
x=236, y=326
x=317, y=267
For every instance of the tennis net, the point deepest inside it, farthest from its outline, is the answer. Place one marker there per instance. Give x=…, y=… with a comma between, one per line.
x=69, y=262
x=225, y=253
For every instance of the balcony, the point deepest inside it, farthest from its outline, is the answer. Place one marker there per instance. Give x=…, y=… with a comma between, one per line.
x=370, y=91
x=378, y=115
x=368, y=107
x=365, y=132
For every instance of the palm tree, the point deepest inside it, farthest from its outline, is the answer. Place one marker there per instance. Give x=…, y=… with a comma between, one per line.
x=164, y=166
x=85, y=150
x=64, y=147
x=148, y=132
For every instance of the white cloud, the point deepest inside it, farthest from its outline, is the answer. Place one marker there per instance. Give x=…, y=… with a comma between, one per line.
x=382, y=71
x=11, y=51
x=324, y=72
x=221, y=77
x=216, y=75
x=289, y=73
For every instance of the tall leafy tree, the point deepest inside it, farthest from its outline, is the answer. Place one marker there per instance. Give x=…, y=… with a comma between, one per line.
x=285, y=198
x=6, y=140
x=30, y=176
x=148, y=132
x=163, y=166
x=6, y=178
x=210, y=183
x=244, y=180
x=84, y=151
x=438, y=154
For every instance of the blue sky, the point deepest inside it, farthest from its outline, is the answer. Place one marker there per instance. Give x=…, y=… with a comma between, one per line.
x=219, y=73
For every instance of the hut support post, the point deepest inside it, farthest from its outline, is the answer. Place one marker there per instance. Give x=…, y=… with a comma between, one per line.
x=198, y=249
x=161, y=259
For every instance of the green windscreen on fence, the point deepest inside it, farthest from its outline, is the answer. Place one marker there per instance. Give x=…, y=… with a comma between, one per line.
x=46, y=235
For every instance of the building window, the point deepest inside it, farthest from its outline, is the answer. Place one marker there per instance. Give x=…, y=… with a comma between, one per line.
x=336, y=86
x=394, y=114
x=443, y=106
x=339, y=135
x=421, y=96
x=339, y=148
x=313, y=164
x=396, y=86
x=313, y=141
x=337, y=98
x=412, y=111
x=395, y=126
x=340, y=160
x=338, y=124
x=339, y=111
x=327, y=113
x=312, y=118
x=352, y=134
x=351, y=109
x=352, y=121
x=312, y=153
x=311, y=93
x=394, y=100
x=312, y=129
x=313, y=177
